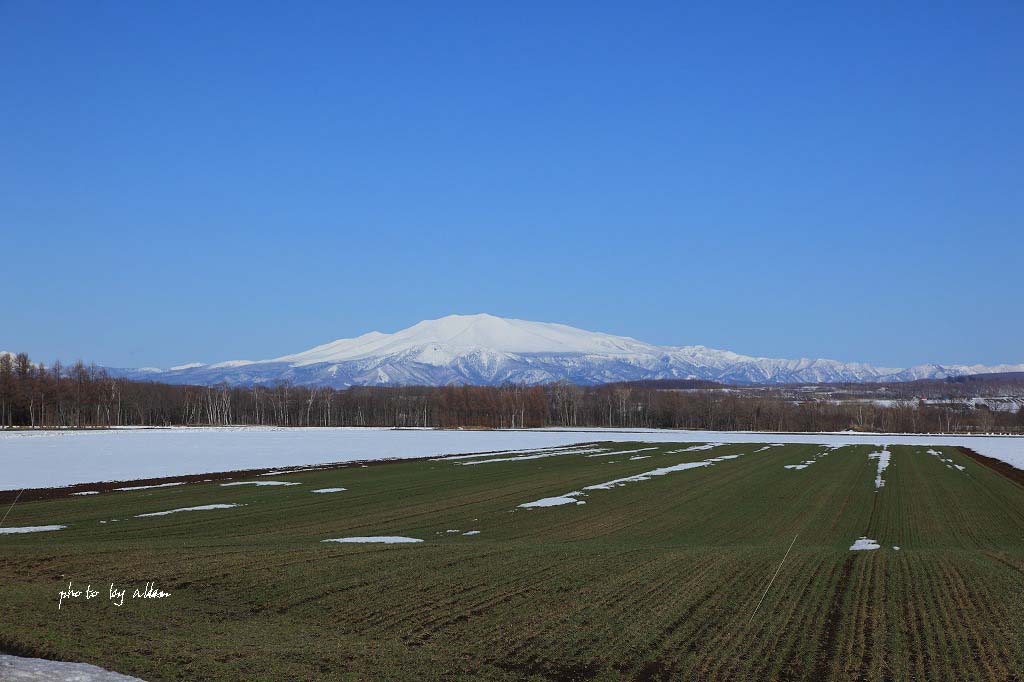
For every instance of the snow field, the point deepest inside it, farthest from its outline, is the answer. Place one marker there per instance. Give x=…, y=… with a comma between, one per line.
x=50, y=459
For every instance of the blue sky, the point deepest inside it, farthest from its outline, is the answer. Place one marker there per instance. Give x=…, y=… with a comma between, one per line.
x=205, y=181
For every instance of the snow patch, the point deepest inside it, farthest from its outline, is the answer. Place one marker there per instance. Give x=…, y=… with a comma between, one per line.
x=647, y=475
x=538, y=456
x=147, y=487
x=328, y=490
x=29, y=529
x=39, y=669
x=203, y=507
x=694, y=448
x=296, y=470
x=88, y=492
x=864, y=543
x=809, y=462
x=385, y=539
x=570, y=498
x=525, y=451
x=883, y=457
x=552, y=501
x=472, y=532
x=259, y=483
x=621, y=452
x=945, y=460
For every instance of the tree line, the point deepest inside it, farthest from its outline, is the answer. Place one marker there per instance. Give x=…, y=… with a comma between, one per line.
x=85, y=396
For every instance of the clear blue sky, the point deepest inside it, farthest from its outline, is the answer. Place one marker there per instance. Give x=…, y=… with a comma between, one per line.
x=206, y=181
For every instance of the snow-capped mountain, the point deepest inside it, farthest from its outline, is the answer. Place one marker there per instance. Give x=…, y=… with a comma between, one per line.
x=483, y=349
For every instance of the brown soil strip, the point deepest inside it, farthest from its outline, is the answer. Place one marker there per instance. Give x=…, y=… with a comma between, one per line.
x=1008, y=470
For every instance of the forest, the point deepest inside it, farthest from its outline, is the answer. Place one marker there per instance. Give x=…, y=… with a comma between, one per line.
x=33, y=395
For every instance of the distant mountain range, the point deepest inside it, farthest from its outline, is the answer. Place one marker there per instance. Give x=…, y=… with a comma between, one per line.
x=488, y=350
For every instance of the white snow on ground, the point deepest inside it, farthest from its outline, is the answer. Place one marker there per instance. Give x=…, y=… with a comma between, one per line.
x=386, y=539
x=88, y=492
x=621, y=452
x=864, y=543
x=328, y=490
x=553, y=501
x=641, y=457
x=203, y=507
x=296, y=470
x=18, y=669
x=661, y=471
x=555, y=453
x=147, y=487
x=57, y=458
x=472, y=532
x=527, y=451
x=259, y=483
x=570, y=498
x=883, y=464
x=805, y=463
x=30, y=529
x=945, y=460
x=694, y=448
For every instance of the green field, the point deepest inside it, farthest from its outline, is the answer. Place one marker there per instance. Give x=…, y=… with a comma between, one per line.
x=654, y=579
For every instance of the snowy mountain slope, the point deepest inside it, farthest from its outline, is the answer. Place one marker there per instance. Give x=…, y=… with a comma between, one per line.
x=461, y=333
x=483, y=349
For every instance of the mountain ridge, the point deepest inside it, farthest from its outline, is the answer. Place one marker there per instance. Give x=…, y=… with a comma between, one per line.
x=484, y=349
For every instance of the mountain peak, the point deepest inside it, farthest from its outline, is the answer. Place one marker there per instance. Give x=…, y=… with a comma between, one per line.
x=473, y=332
x=486, y=349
